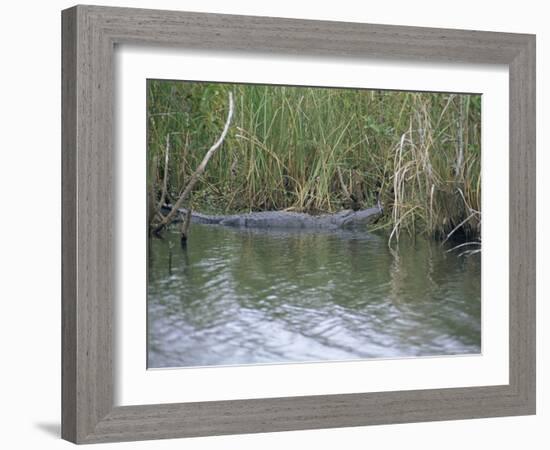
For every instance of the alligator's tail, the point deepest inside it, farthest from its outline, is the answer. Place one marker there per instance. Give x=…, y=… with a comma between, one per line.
x=196, y=217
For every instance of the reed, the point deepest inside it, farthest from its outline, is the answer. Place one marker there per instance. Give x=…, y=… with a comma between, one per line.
x=321, y=150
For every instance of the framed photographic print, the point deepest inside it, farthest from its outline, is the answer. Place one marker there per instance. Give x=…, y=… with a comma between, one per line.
x=279, y=224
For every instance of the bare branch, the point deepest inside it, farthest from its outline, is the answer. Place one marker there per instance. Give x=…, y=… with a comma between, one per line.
x=199, y=171
x=464, y=245
x=186, y=223
x=457, y=227
x=343, y=185
x=152, y=210
x=165, y=181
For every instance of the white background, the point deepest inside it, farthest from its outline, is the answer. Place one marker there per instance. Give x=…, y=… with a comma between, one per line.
x=30, y=225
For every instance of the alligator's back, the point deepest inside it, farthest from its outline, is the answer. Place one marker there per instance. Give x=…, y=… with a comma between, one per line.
x=289, y=220
x=284, y=219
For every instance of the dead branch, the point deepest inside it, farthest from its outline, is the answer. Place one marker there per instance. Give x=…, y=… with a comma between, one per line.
x=343, y=185
x=186, y=223
x=198, y=172
x=152, y=210
x=165, y=180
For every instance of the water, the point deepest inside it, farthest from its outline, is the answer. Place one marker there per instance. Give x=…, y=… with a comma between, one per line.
x=238, y=296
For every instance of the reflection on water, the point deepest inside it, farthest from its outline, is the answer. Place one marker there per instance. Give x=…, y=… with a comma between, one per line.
x=238, y=296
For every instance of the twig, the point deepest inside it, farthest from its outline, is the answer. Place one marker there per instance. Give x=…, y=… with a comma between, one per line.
x=463, y=245
x=470, y=252
x=458, y=226
x=152, y=210
x=344, y=187
x=185, y=227
x=165, y=180
x=472, y=210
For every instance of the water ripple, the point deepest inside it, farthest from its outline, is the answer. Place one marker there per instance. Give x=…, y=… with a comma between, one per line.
x=251, y=296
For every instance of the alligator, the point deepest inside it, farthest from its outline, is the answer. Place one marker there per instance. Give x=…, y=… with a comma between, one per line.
x=346, y=219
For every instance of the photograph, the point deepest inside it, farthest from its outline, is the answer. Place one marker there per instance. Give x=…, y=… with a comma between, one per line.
x=275, y=225
x=290, y=224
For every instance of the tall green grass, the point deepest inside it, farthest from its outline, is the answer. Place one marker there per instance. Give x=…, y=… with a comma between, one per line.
x=321, y=150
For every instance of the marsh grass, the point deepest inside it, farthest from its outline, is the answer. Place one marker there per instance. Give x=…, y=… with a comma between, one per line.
x=321, y=150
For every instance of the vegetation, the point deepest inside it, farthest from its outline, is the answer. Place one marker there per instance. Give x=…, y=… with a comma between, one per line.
x=320, y=150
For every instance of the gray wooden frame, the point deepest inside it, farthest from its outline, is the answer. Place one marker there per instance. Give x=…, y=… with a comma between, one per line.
x=89, y=34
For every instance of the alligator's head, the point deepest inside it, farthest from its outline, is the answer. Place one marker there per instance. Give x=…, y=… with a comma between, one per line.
x=362, y=218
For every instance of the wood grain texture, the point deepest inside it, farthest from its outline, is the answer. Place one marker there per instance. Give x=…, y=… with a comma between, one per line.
x=89, y=36
x=523, y=224
x=68, y=225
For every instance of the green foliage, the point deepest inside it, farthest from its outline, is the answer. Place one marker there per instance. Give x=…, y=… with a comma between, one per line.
x=321, y=150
